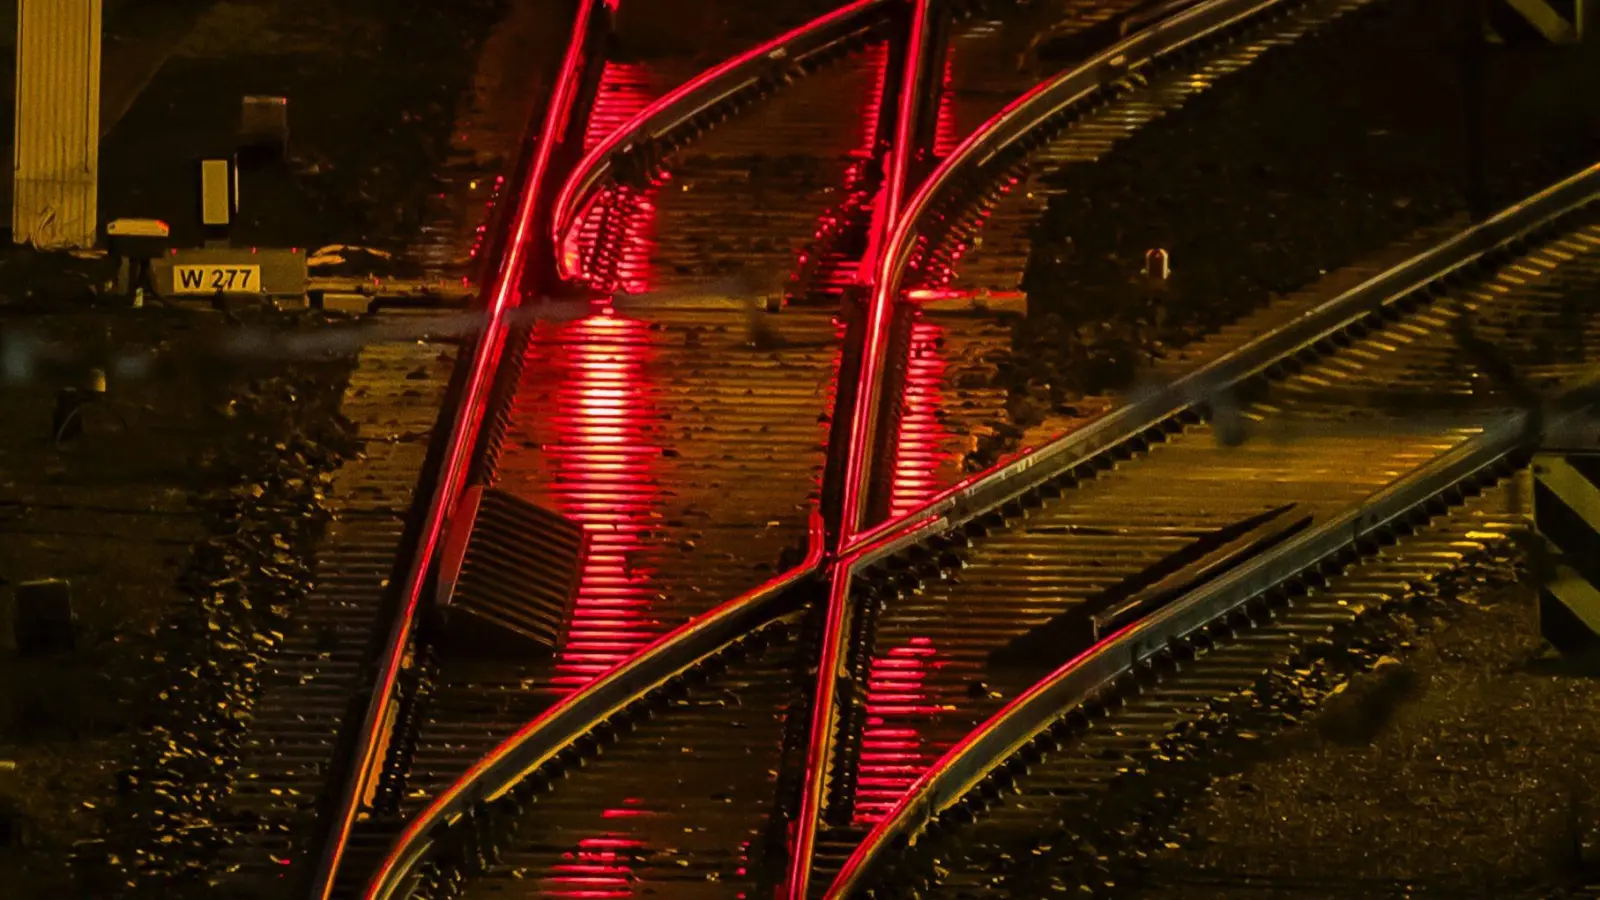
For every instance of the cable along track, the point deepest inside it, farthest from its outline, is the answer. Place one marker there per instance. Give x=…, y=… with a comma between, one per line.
x=1326, y=426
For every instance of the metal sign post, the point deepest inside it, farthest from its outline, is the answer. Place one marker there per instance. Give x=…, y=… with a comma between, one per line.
x=57, y=151
x=1535, y=21
x=1566, y=511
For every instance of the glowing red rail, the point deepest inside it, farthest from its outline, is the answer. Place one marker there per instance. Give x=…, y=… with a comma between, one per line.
x=574, y=715
x=863, y=423
x=500, y=294
x=677, y=106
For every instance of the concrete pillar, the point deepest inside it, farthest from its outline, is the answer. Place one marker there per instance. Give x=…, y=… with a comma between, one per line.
x=57, y=153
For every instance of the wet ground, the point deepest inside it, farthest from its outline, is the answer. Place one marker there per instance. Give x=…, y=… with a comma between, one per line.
x=1462, y=765
x=151, y=532
x=1445, y=755
x=180, y=515
x=1321, y=154
x=186, y=513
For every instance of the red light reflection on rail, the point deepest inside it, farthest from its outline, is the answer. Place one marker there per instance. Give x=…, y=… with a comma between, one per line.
x=603, y=475
x=599, y=868
x=945, y=137
x=919, y=452
x=876, y=57
x=638, y=240
x=892, y=752
x=625, y=89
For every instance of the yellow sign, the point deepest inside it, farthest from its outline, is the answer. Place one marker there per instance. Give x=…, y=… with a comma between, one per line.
x=216, y=279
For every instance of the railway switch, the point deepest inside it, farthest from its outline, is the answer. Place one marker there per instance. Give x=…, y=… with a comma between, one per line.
x=1566, y=511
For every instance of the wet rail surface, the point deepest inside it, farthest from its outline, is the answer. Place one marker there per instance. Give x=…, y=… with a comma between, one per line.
x=1007, y=849
x=610, y=376
x=753, y=172
x=393, y=401
x=713, y=419
x=1324, y=438
x=673, y=248
x=687, y=431
x=925, y=677
x=983, y=260
x=688, y=455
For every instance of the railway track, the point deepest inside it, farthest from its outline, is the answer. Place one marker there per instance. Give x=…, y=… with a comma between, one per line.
x=304, y=758
x=759, y=686
x=1395, y=502
x=680, y=426
x=658, y=467
x=872, y=735
x=393, y=400
x=747, y=395
x=659, y=428
x=646, y=853
x=311, y=744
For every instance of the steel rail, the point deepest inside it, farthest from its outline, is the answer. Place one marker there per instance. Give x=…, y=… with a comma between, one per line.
x=1163, y=27
x=680, y=107
x=1188, y=395
x=988, y=747
x=557, y=730
x=560, y=727
x=863, y=426
x=1175, y=24
x=651, y=669
x=994, y=743
x=500, y=295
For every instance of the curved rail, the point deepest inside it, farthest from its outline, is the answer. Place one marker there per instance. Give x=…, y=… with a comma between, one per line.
x=680, y=107
x=560, y=727
x=991, y=745
x=1184, y=23
x=863, y=426
x=499, y=296
x=1188, y=394
x=1163, y=28
x=1080, y=680
x=578, y=714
